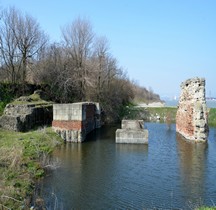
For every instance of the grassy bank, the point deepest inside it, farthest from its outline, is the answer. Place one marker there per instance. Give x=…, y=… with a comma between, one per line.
x=162, y=114
x=24, y=157
x=212, y=117
x=170, y=113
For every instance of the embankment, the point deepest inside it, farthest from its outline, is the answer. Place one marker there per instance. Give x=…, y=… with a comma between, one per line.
x=24, y=157
x=161, y=114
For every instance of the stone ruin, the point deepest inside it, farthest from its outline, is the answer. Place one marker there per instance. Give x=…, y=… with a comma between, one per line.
x=132, y=131
x=74, y=121
x=191, y=117
x=24, y=117
x=27, y=112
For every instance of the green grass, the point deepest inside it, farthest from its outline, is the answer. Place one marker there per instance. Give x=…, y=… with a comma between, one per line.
x=2, y=106
x=33, y=99
x=165, y=113
x=212, y=117
x=23, y=158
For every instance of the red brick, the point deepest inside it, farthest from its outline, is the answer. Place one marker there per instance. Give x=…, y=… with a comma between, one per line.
x=67, y=125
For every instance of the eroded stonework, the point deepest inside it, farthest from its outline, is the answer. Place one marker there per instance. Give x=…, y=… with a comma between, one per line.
x=191, y=117
x=24, y=117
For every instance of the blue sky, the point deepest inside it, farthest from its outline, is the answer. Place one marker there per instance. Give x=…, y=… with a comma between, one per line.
x=160, y=43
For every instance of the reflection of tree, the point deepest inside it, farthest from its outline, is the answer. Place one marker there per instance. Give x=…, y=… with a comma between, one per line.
x=192, y=165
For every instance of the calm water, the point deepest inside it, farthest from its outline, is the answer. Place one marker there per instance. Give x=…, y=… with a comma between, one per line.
x=99, y=174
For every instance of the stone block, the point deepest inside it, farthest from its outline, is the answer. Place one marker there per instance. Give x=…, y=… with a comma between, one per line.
x=24, y=117
x=132, y=132
x=132, y=124
x=132, y=136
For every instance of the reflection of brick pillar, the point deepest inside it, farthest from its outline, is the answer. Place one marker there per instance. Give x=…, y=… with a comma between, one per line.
x=74, y=121
x=191, y=117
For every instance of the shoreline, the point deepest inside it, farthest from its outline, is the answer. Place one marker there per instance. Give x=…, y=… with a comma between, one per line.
x=24, y=159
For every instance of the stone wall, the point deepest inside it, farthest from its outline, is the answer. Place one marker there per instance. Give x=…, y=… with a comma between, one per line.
x=191, y=117
x=74, y=121
x=23, y=117
x=132, y=131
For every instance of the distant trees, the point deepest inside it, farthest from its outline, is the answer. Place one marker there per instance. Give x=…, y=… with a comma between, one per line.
x=143, y=95
x=79, y=68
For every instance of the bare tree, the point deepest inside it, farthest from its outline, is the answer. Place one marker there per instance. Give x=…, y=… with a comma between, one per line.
x=20, y=40
x=30, y=40
x=9, y=54
x=78, y=38
x=99, y=60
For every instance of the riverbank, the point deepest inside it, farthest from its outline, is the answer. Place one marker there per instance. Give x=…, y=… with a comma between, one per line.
x=161, y=114
x=24, y=157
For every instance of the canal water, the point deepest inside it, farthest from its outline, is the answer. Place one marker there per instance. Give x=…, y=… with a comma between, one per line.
x=169, y=173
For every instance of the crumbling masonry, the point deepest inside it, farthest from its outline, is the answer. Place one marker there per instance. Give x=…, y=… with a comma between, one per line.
x=191, y=117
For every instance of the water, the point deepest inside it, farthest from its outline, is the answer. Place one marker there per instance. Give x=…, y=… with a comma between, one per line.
x=169, y=173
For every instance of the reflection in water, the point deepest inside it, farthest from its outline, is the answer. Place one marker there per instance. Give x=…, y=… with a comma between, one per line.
x=135, y=148
x=192, y=157
x=166, y=174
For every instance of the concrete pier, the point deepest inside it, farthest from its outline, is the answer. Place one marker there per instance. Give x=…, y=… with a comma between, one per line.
x=74, y=121
x=132, y=131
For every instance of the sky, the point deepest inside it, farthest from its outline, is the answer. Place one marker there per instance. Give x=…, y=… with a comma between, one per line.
x=159, y=43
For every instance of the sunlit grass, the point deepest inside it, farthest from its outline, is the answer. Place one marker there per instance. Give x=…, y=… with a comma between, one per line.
x=23, y=158
x=212, y=117
x=132, y=112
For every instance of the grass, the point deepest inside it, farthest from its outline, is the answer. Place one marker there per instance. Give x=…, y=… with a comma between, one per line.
x=212, y=117
x=32, y=99
x=166, y=114
x=24, y=157
x=2, y=106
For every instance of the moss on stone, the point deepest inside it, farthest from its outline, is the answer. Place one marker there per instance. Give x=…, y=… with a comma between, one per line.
x=32, y=99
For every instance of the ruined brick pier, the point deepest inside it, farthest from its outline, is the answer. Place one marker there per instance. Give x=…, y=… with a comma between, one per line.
x=191, y=117
x=74, y=121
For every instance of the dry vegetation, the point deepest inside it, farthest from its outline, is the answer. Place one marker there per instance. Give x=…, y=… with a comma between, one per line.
x=78, y=68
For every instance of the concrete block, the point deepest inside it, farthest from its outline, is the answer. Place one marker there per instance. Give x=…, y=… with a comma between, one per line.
x=132, y=136
x=132, y=124
x=74, y=121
